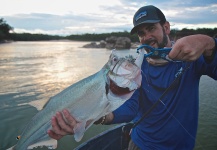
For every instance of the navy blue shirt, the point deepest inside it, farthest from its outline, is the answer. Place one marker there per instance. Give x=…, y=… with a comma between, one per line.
x=173, y=122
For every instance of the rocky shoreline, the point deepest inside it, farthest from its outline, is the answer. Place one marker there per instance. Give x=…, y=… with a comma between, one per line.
x=113, y=42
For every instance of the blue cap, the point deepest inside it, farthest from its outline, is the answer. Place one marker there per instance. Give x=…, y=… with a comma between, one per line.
x=147, y=14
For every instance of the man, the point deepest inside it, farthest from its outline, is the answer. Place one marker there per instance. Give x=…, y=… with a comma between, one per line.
x=172, y=124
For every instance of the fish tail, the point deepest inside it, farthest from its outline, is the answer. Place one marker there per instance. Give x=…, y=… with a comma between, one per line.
x=11, y=148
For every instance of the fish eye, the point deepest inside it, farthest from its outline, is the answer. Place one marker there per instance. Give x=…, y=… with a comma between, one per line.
x=115, y=58
x=18, y=137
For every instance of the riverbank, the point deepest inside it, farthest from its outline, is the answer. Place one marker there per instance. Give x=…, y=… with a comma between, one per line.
x=5, y=41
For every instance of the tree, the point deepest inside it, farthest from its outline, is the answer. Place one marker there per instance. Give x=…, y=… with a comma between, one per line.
x=4, y=30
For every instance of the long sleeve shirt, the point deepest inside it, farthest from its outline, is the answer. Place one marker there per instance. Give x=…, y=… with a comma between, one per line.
x=173, y=123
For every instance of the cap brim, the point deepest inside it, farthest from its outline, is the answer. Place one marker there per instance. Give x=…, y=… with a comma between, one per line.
x=133, y=31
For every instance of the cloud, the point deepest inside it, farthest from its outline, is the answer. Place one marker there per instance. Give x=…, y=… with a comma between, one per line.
x=67, y=24
x=101, y=16
x=193, y=14
x=108, y=19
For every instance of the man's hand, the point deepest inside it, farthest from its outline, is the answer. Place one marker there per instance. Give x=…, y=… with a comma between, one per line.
x=191, y=47
x=61, y=126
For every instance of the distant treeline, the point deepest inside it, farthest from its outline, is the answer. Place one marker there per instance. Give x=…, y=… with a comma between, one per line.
x=5, y=34
x=77, y=37
x=4, y=30
x=174, y=35
x=34, y=37
x=102, y=36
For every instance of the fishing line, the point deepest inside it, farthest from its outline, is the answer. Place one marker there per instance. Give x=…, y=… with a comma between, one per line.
x=197, y=141
x=171, y=114
x=178, y=75
x=163, y=94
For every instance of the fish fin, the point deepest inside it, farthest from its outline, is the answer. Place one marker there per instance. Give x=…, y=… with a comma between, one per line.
x=79, y=130
x=39, y=104
x=50, y=143
x=11, y=148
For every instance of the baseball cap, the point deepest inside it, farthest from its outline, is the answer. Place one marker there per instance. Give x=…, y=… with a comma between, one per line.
x=147, y=14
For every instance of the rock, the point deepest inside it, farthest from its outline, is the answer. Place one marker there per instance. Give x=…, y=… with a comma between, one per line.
x=135, y=45
x=118, y=42
x=123, y=43
x=111, y=39
x=91, y=45
x=111, y=42
x=102, y=44
x=110, y=46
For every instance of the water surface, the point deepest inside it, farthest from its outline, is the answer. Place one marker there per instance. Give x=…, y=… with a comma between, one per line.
x=31, y=71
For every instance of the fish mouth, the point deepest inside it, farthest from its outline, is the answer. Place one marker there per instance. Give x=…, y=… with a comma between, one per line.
x=117, y=90
x=124, y=89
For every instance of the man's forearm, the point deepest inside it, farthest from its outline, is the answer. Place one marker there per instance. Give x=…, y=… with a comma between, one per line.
x=210, y=51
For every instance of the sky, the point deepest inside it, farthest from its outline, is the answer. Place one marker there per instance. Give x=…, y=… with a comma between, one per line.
x=66, y=17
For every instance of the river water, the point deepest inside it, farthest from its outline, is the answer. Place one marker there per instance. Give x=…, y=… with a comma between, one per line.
x=31, y=71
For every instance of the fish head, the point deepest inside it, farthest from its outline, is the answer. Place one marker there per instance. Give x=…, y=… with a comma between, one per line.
x=124, y=74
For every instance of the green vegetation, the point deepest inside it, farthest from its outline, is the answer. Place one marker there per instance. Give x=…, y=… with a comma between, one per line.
x=34, y=37
x=174, y=35
x=4, y=30
x=102, y=36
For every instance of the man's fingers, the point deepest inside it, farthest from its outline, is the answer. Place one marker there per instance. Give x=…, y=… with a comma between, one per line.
x=174, y=54
x=54, y=135
x=64, y=127
x=56, y=127
x=62, y=124
x=69, y=118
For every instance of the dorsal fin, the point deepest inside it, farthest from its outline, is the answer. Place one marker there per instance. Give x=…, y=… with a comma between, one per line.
x=39, y=104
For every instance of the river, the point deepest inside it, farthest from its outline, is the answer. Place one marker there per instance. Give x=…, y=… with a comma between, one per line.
x=31, y=71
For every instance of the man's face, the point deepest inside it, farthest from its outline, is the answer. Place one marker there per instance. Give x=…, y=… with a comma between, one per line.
x=153, y=35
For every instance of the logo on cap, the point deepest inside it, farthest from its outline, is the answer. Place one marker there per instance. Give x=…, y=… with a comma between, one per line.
x=142, y=14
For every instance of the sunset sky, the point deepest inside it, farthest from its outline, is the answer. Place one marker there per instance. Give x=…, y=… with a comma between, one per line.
x=65, y=17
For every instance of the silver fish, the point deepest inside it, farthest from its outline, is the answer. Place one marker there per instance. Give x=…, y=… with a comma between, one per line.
x=88, y=99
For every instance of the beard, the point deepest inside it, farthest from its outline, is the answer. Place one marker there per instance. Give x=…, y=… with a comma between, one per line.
x=164, y=42
x=161, y=44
